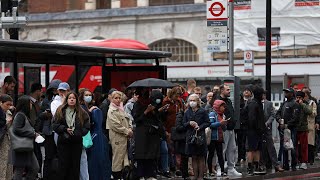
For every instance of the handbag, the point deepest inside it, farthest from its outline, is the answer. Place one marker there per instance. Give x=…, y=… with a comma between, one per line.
x=288, y=144
x=87, y=140
x=208, y=132
x=20, y=143
x=196, y=139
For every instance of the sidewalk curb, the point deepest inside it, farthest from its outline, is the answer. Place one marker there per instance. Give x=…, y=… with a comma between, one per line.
x=283, y=174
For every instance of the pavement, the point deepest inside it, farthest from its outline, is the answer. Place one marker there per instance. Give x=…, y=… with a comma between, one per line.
x=311, y=173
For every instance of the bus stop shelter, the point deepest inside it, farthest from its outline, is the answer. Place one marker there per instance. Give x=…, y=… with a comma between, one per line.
x=27, y=52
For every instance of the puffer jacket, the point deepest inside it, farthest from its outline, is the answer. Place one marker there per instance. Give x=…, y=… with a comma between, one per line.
x=305, y=110
x=215, y=125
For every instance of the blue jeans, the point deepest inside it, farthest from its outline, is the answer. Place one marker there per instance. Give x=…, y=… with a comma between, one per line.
x=164, y=156
x=293, y=152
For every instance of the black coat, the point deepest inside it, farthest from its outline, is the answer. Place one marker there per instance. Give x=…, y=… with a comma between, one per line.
x=202, y=118
x=147, y=133
x=289, y=111
x=180, y=146
x=256, y=119
x=23, y=159
x=60, y=127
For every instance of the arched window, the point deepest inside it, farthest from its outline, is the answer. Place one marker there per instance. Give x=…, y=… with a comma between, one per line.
x=182, y=51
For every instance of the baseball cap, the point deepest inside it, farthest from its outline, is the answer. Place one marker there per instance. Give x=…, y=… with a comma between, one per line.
x=112, y=90
x=54, y=84
x=63, y=86
x=289, y=90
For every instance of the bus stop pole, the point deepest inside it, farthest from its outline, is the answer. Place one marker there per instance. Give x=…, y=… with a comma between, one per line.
x=231, y=38
x=268, y=48
x=47, y=74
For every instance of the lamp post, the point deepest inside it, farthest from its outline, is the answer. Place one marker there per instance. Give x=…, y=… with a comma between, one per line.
x=268, y=48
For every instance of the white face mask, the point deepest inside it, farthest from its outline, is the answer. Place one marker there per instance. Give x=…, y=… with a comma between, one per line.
x=87, y=99
x=158, y=101
x=193, y=104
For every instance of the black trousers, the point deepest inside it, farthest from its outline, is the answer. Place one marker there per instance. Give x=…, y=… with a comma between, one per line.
x=50, y=167
x=146, y=168
x=311, y=154
x=215, y=146
x=184, y=166
x=241, y=142
x=69, y=161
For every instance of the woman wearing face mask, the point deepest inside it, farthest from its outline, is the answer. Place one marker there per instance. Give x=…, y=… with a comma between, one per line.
x=119, y=131
x=71, y=122
x=148, y=132
x=86, y=102
x=196, y=120
x=5, y=122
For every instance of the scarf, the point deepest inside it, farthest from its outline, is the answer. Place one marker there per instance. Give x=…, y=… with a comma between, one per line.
x=71, y=118
x=121, y=108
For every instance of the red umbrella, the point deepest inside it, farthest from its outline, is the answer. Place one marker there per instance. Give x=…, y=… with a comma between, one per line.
x=117, y=43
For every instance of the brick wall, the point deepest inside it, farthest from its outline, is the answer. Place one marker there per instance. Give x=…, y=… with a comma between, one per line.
x=43, y=6
x=128, y=3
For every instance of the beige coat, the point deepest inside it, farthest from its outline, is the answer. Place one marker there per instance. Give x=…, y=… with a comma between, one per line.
x=118, y=123
x=311, y=123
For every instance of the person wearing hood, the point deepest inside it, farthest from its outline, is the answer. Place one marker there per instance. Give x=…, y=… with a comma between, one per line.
x=246, y=97
x=45, y=118
x=217, y=124
x=146, y=114
x=256, y=128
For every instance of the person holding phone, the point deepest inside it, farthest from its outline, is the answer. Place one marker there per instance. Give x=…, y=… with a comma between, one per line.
x=148, y=132
x=217, y=124
x=71, y=122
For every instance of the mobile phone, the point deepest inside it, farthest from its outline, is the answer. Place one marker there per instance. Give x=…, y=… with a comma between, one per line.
x=228, y=119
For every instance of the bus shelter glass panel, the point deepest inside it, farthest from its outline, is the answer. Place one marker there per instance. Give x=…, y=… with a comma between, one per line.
x=66, y=73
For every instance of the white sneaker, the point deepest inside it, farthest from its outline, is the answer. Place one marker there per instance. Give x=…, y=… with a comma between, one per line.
x=151, y=178
x=303, y=166
x=141, y=178
x=218, y=172
x=233, y=172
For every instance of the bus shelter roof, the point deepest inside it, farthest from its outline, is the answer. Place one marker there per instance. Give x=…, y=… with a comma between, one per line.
x=57, y=53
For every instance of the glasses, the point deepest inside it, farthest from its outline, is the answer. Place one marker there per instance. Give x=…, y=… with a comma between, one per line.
x=198, y=93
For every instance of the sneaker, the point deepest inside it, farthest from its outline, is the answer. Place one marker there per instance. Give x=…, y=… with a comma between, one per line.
x=224, y=174
x=233, y=172
x=303, y=166
x=249, y=171
x=260, y=171
x=178, y=173
x=218, y=172
x=166, y=174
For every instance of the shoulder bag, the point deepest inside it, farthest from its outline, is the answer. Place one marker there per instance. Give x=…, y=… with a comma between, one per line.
x=19, y=143
x=87, y=140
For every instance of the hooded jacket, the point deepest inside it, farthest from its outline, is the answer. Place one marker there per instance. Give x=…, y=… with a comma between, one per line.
x=256, y=121
x=229, y=113
x=215, y=118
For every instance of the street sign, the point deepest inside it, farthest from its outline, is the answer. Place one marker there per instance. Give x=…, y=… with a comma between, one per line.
x=217, y=25
x=217, y=10
x=248, y=61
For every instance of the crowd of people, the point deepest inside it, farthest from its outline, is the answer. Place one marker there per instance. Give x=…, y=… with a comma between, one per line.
x=142, y=133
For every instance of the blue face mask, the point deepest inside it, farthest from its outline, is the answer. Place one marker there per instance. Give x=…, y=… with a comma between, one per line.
x=87, y=99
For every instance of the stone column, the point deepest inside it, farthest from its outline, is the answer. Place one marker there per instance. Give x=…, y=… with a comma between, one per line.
x=199, y=1
x=91, y=5
x=115, y=4
x=142, y=3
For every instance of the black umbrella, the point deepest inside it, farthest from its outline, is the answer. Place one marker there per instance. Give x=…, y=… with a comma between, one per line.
x=152, y=82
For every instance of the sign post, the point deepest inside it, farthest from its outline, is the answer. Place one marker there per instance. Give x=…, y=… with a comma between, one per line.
x=217, y=25
x=248, y=62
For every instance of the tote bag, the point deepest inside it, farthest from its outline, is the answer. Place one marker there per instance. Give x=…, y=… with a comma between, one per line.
x=19, y=143
x=87, y=140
